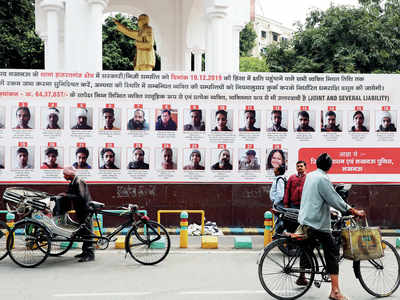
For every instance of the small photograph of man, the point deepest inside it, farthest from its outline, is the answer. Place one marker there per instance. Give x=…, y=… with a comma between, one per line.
x=385, y=121
x=24, y=158
x=167, y=120
x=195, y=160
x=50, y=159
x=108, y=120
x=138, y=160
x=2, y=118
x=221, y=121
x=52, y=118
x=304, y=119
x=2, y=157
x=359, y=119
x=138, y=121
x=82, y=158
x=196, y=122
x=330, y=121
x=277, y=121
x=249, y=121
x=107, y=159
x=168, y=159
x=224, y=160
x=23, y=118
x=83, y=118
x=249, y=160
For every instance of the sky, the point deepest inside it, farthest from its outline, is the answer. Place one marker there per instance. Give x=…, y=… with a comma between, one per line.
x=290, y=11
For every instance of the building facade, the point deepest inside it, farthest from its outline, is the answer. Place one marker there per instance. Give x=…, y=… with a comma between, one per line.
x=268, y=31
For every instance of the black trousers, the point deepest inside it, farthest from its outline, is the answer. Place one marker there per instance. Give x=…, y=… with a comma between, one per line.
x=331, y=249
x=63, y=205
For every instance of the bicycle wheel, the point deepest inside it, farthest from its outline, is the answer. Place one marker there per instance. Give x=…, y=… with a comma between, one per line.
x=380, y=277
x=4, y=230
x=58, y=248
x=279, y=272
x=146, y=244
x=28, y=244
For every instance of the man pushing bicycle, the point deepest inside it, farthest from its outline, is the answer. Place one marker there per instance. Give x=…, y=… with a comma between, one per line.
x=77, y=194
x=315, y=216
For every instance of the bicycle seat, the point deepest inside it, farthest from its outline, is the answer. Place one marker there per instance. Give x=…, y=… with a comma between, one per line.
x=96, y=205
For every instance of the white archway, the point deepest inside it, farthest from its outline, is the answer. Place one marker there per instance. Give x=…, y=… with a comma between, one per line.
x=73, y=38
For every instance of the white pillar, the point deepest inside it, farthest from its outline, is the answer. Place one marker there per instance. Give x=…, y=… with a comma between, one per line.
x=198, y=53
x=187, y=60
x=236, y=47
x=43, y=37
x=76, y=42
x=216, y=47
x=52, y=8
x=96, y=8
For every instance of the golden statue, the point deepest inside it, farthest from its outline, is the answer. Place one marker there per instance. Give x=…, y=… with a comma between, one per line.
x=145, y=59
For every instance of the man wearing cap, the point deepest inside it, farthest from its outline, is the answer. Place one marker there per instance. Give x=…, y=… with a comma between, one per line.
x=195, y=158
x=51, y=161
x=78, y=194
x=386, y=122
x=108, y=157
x=22, y=159
x=53, y=117
x=249, y=162
x=81, y=115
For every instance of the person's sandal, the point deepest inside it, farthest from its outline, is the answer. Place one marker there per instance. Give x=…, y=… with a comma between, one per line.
x=341, y=297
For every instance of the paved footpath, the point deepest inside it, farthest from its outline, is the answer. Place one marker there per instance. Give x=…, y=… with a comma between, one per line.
x=193, y=273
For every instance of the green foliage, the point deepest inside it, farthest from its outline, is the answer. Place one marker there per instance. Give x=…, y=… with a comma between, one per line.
x=119, y=50
x=20, y=47
x=253, y=64
x=343, y=40
x=247, y=39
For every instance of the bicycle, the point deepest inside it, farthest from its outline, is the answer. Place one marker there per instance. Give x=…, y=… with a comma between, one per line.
x=31, y=240
x=278, y=271
x=4, y=232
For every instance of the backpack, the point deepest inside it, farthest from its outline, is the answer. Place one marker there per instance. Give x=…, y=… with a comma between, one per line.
x=284, y=180
x=282, y=177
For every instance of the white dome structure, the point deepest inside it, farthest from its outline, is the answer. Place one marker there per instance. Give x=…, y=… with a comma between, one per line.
x=72, y=31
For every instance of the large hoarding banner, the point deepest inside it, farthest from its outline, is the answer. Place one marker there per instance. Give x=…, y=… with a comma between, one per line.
x=156, y=127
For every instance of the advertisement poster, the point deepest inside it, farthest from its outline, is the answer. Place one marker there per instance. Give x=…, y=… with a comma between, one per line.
x=155, y=127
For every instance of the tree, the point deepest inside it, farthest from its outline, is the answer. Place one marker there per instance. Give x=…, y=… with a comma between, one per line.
x=343, y=39
x=118, y=49
x=20, y=47
x=247, y=39
x=253, y=64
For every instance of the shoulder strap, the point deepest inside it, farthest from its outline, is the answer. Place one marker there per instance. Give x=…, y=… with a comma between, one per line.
x=283, y=178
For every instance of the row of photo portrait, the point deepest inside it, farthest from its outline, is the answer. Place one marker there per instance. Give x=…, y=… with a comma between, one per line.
x=221, y=118
x=142, y=158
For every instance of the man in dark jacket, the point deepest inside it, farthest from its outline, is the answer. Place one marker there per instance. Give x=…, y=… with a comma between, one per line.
x=78, y=194
x=164, y=122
